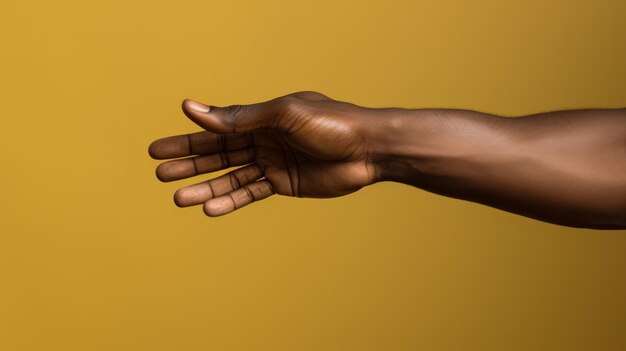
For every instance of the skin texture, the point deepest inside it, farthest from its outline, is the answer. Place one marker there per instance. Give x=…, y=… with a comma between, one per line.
x=564, y=167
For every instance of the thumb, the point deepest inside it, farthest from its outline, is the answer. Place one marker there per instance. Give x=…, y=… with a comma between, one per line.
x=234, y=118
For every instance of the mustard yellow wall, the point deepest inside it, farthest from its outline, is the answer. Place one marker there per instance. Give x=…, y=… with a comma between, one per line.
x=95, y=256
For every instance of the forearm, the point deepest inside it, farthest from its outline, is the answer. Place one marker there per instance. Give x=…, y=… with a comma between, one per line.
x=565, y=167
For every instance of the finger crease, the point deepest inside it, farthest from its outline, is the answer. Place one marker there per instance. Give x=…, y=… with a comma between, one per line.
x=211, y=188
x=269, y=187
x=195, y=165
x=224, y=159
x=220, y=142
x=258, y=171
x=251, y=153
x=250, y=194
x=233, y=200
x=234, y=181
x=189, y=144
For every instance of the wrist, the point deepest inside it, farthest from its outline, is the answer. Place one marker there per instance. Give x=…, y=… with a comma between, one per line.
x=396, y=143
x=430, y=147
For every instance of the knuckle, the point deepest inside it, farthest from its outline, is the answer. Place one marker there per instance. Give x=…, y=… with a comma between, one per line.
x=287, y=100
x=309, y=95
x=236, y=111
x=293, y=106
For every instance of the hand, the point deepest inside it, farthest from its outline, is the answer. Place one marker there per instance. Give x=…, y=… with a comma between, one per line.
x=303, y=144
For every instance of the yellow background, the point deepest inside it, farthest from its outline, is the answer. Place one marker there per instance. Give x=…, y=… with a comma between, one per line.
x=95, y=256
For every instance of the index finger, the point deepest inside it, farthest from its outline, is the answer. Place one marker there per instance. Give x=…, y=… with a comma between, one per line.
x=199, y=143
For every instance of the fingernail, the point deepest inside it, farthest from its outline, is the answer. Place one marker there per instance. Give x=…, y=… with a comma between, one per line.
x=196, y=106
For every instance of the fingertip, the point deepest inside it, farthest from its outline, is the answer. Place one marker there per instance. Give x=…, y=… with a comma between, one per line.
x=160, y=149
x=178, y=198
x=208, y=209
x=161, y=173
x=183, y=105
x=151, y=153
x=214, y=208
x=153, y=150
x=198, y=113
x=195, y=106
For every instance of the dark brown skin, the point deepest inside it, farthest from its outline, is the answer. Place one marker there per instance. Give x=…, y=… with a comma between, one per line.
x=565, y=167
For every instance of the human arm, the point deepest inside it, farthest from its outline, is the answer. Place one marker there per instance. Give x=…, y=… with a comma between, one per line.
x=566, y=167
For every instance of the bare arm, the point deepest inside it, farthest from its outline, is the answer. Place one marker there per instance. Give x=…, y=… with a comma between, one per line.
x=566, y=167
